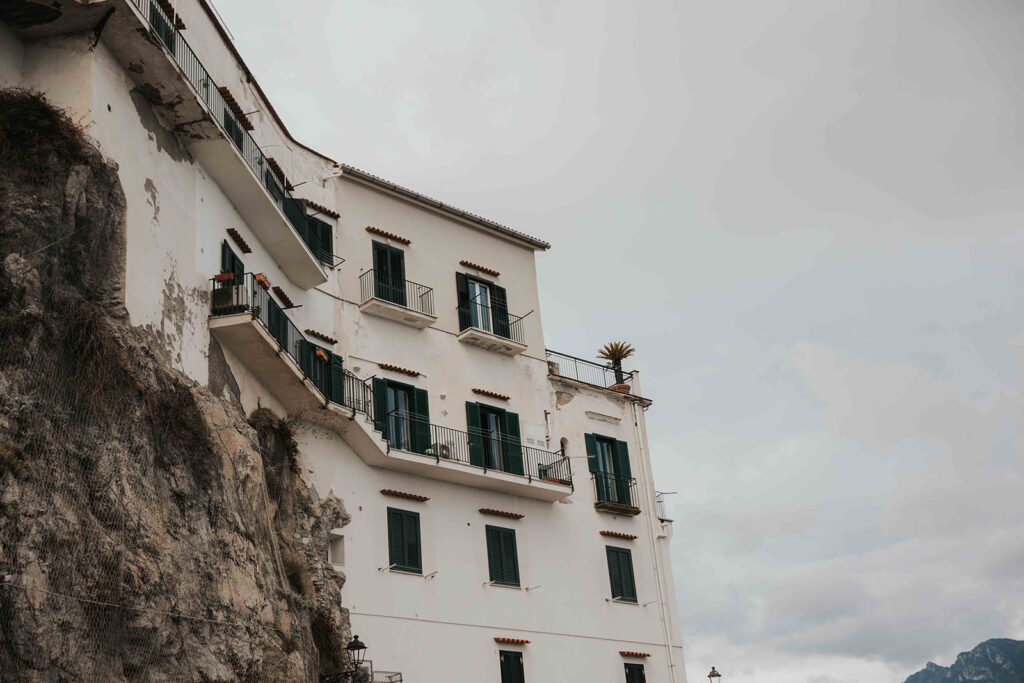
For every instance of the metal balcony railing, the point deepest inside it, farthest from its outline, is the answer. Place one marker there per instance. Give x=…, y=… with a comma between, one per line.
x=199, y=78
x=410, y=432
x=334, y=382
x=586, y=371
x=611, y=488
x=373, y=284
x=494, y=319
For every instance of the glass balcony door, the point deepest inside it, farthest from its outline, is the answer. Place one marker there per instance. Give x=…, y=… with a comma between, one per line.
x=389, y=273
x=399, y=404
x=480, y=305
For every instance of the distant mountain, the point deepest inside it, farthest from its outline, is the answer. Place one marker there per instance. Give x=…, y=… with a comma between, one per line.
x=999, y=660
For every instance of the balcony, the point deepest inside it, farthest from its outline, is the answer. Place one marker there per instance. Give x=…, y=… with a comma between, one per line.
x=187, y=100
x=396, y=299
x=474, y=458
x=247, y=320
x=491, y=328
x=585, y=371
x=615, y=494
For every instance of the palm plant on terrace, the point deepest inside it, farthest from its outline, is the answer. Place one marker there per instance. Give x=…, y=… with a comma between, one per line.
x=615, y=353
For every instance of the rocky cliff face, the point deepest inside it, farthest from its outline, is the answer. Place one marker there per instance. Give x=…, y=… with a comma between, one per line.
x=148, y=530
x=995, y=661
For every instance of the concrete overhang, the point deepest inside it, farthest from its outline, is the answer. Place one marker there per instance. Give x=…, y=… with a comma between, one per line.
x=491, y=341
x=393, y=311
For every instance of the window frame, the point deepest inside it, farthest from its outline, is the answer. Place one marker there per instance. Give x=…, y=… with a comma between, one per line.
x=401, y=563
x=623, y=557
x=514, y=676
x=635, y=673
x=502, y=536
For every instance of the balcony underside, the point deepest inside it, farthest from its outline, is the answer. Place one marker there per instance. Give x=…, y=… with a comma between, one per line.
x=491, y=342
x=248, y=194
x=146, y=58
x=616, y=508
x=253, y=345
x=393, y=311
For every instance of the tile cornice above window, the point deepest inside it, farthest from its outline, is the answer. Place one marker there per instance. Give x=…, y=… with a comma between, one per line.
x=492, y=394
x=320, y=208
x=237, y=238
x=500, y=513
x=482, y=269
x=390, y=235
x=285, y=299
x=403, y=494
x=235, y=108
x=399, y=369
x=511, y=641
x=631, y=653
x=619, y=534
x=321, y=336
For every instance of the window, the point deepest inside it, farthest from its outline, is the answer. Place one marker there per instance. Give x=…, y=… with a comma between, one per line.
x=404, y=540
x=620, y=573
x=635, y=673
x=402, y=415
x=321, y=240
x=511, y=666
x=336, y=549
x=389, y=273
x=609, y=463
x=494, y=440
x=501, y=555
x=230, y=263
x=483, y=305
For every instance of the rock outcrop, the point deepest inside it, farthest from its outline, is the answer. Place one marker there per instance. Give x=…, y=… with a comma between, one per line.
x=999, y=660
x=148, y=529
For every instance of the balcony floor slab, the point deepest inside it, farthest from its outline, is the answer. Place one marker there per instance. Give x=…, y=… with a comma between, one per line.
x=398, y=313
x=491, y=342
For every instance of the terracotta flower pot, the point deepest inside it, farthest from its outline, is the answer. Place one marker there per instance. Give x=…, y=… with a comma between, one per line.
x=262, y=281
x=621, y=388
x=224, y=277
x=322, y=355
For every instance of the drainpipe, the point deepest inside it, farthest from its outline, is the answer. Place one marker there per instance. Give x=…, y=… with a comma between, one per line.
x=647, y=484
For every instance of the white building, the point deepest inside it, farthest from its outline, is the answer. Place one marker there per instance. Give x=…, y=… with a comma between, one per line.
x=504, y=517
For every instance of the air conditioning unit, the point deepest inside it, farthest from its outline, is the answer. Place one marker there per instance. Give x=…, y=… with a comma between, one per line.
x=441, y=450
x=553, y=368
x=231, y=299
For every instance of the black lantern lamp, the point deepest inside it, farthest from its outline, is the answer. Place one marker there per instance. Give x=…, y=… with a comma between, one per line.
x=356, y=652
x=714, y=675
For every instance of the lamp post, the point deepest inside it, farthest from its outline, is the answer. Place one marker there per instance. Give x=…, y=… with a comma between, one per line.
x=356, y=653
x=714, y=675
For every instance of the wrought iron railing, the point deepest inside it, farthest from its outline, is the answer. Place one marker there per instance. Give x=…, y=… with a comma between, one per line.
x=586, y=371
x=494, y=319
x=203, y=85
x=410, y=432
x=374, y=284
x=365, y=673
x=659, y=502
x=611, y=488
x=324, y=370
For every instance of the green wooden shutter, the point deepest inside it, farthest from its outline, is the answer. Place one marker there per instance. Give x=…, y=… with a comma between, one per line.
x=513, y=447
x=511, y=667
x=635, y=673
x=622, y=469
x=396, y=537
x=476, y=440
x=494, y=563
x=499, y=311
x=462, y=290
x=509, y=557
x=337, y=380
x=614, y=571
x=591, y=442
x=414, y=561
x=225, y=258
x=380, y=406
x=420, y=425
x=397, y=257
x=620, y=573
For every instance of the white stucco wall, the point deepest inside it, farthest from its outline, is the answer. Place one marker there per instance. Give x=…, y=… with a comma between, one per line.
x=430, y=629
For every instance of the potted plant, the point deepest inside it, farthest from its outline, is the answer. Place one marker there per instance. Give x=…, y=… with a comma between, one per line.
x=262, y=281
x=615, y=353
x=322, y=355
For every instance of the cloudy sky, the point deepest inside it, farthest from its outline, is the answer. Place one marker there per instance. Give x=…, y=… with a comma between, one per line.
x=808, y=216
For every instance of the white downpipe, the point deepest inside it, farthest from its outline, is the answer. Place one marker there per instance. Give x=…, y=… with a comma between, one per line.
x=647, y=484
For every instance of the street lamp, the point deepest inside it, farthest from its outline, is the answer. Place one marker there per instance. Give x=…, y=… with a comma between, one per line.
x=713, y=675
x=356, y=652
